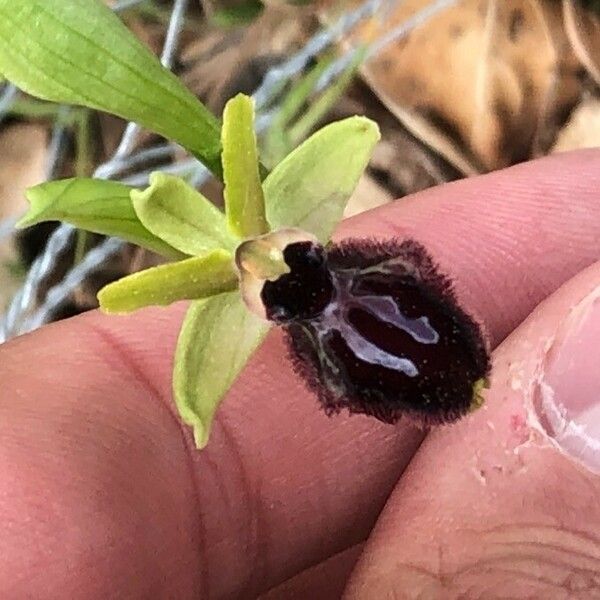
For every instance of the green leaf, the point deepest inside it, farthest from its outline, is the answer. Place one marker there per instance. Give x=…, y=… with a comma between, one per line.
x=190, y=279
x=217, y=338
x=244, y=200
x=241, y=13
x=178, y=214
x=79, y=52
x=100, y=206
x=310, y=187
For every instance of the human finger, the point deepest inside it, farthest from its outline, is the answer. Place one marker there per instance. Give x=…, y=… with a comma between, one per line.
x=505, y=503
x=279, y=487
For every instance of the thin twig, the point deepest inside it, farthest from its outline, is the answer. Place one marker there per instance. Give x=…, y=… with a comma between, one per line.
x=281, y=74
x=116, y=166
x=125, y=4
x=402, y=30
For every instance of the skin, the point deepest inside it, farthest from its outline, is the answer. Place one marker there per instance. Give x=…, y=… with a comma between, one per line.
x=104, y=496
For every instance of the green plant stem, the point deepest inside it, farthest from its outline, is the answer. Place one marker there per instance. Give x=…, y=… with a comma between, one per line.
x=33, y=109
x=83, y=168
x=83, y=158
x=303, y=126
x=81, y=243
x=276, y=141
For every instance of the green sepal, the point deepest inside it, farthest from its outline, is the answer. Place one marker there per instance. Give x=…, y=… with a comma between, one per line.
x=217, y=338
x=95, y=205
x=189, y=279
x=181, y=216
x=309, y=189
x=244, y=199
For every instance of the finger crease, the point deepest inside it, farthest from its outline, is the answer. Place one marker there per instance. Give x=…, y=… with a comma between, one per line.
x=130, y=366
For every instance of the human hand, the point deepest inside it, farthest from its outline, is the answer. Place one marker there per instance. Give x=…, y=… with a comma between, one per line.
x=103, y=495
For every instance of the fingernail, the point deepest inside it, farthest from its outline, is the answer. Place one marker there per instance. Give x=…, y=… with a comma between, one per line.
x=570, y=403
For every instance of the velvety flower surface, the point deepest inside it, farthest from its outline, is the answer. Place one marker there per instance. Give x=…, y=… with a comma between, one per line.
x=375, y=328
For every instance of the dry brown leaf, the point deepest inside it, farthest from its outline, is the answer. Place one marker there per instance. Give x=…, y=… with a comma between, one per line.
x=221, y=62
x=483, y=83
x=22, y=156
x=583, y=128
x=401, y=164
x=583, y=28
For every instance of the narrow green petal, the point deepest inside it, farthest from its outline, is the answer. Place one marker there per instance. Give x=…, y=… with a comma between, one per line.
x=79, y=52
x=95, y=205
x=190, y=279
x=244, y=200
x=175, y=212
x=311, y=186
x=217, y=338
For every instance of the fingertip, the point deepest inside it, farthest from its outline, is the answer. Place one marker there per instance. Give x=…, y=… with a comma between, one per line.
x=500, y=483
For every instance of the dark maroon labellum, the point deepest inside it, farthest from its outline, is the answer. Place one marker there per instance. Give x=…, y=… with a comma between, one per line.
x=375, y=328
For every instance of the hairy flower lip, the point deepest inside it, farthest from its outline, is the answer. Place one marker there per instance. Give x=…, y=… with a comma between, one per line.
x=380, y=353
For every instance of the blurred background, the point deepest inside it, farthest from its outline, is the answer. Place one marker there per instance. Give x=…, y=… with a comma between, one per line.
x=458, y=88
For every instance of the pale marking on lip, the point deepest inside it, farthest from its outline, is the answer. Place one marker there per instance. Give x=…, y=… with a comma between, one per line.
x=334, y=318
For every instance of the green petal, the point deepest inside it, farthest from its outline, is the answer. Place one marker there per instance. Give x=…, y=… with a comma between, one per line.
x=244, y=200
x=178, y=214
x=217, y=338
x=190, y=279
x=100, y=206
x=310, y=187
x=79, y=52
